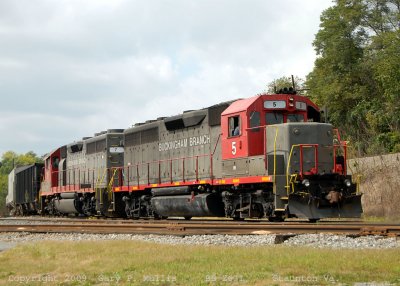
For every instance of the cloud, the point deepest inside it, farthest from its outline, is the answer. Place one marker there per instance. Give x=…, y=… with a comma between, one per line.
x=71, y=68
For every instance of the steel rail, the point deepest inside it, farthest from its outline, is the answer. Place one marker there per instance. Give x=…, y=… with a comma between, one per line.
x=169, y=220
x=187, y=228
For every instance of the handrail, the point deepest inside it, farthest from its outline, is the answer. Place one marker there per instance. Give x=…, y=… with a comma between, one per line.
x=169, y=163
x=216, y=144
x=343, y=146
x=315, y=146
x=96, y=187
x=111, y=182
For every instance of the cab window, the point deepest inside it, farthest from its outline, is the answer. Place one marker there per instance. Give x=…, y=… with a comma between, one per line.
x=234, y=126
x=56, y=161
x=295, y=118
x=255, y=120
x=273, y=118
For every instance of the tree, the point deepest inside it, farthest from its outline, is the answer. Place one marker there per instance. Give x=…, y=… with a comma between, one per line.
x=282, y=82
x=356, y=74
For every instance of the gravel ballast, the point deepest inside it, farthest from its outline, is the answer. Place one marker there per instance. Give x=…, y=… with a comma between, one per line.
x=308, y=240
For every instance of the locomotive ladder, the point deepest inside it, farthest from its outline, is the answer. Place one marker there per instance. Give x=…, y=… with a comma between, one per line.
x=109, y=190
x=97, y=188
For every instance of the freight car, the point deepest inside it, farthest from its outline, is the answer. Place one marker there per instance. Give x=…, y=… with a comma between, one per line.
x=23, y=189
x=265, y=156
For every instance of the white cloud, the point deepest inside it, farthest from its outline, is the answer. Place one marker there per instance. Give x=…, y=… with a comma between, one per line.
x=71, y=68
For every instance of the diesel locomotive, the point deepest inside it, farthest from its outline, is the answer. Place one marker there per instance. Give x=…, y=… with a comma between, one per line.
x=268, y=156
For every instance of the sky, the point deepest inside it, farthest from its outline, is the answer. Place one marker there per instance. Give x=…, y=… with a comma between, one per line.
x=72, y=68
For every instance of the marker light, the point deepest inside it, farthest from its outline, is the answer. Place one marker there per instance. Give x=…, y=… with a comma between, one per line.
x=291, y=99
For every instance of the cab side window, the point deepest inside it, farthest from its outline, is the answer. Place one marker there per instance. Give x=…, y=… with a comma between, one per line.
x=234, y=126
x=56, y=161
x=255, y=120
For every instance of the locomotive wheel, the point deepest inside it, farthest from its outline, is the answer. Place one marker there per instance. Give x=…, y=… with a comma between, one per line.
x=313, y=220
x=188, y=217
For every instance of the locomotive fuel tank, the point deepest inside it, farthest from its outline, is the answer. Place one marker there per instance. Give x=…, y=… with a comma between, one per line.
x=184, y=203
x=68, y=203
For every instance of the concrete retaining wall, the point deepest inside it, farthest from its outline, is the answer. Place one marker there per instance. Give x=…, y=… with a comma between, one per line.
x=380, y=183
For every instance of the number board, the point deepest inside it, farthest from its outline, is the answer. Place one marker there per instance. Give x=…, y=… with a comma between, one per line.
x=275, y=104
x=116, y=150
x=301, y=105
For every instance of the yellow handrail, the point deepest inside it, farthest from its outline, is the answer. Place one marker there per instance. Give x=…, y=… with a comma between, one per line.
x=98, y=182
x=110, y=184
x=288, y=166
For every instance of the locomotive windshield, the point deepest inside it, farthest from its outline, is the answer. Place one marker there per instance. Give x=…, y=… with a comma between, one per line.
x=273, y=118
x=295, y=118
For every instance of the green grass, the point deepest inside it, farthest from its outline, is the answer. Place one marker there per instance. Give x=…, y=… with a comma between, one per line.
x=378, y=219
x=141, y=263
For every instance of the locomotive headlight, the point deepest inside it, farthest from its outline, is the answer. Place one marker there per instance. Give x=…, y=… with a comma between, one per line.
x=306, y=183
x=347, y=182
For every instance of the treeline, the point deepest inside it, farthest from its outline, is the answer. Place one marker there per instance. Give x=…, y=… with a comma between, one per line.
x=9, y=160
x=357, y=72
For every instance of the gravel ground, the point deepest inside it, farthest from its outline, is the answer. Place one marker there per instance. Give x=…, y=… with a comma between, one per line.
x=341, y=241
x=309, y=240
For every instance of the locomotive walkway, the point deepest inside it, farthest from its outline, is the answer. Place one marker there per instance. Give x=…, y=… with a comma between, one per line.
x=196, y=227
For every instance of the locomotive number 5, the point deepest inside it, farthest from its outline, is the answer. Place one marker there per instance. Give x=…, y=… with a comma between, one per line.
x=234, y=148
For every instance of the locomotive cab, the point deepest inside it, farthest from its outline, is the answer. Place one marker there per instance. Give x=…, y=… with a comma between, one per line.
x=278, y=139
x=243, y=125
x=51, y=163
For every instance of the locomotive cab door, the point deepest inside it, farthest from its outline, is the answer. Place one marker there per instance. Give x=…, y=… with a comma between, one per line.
x=255, y=133
x=234, y=143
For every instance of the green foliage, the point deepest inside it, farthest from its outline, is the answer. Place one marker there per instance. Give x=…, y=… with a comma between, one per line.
x=283, y=82
x=357, y=73
x=9, y=160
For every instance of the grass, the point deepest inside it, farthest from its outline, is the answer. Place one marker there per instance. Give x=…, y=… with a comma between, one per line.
x=142, y=263
x=381, y=219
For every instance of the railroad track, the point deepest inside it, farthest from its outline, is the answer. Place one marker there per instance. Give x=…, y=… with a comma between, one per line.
x=180, y=227
x=169, y=220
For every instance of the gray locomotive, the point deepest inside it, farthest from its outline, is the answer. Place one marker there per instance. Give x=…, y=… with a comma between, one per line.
x=265, y=156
